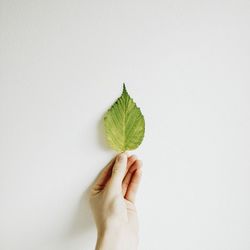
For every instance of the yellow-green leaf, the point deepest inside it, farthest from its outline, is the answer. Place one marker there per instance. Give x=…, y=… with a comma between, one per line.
x=124, y=124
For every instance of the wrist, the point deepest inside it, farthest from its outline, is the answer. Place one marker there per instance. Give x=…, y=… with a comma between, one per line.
x=109, y=239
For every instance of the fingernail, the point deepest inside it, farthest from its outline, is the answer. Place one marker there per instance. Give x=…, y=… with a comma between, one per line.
x=121, y=157
x=126, y=153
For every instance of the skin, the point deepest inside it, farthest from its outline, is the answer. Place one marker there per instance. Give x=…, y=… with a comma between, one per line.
x=112, y=201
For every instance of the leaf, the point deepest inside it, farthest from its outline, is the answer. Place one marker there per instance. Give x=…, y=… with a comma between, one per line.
x=124, y=124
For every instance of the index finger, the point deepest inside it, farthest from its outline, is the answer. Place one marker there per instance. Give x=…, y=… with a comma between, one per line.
x=103, y=176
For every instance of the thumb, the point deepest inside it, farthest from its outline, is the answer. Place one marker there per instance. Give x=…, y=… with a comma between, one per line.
x=119, y=171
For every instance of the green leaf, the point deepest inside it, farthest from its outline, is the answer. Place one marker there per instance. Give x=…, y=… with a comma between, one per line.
x=124, y=124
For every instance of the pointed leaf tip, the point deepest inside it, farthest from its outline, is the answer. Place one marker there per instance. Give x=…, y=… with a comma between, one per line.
x=124, y=89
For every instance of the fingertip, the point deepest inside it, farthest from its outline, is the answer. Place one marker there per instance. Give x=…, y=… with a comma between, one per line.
x=126, y=152
x=122, y=157
x=133, y=157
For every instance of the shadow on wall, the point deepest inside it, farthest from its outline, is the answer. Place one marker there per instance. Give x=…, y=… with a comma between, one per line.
x=83, y=222
x=101, y=135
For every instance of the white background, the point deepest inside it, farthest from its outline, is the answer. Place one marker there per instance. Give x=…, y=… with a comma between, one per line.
x=186, y=64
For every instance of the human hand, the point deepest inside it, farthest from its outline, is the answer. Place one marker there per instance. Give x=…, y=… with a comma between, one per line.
x=112, y=200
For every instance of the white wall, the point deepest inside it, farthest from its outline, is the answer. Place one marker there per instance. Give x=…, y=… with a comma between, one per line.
x=186, y=63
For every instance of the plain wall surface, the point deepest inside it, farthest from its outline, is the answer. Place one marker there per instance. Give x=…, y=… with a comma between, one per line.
x=185, y=63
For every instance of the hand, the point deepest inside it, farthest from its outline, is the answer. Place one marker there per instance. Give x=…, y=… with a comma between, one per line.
x=112, y=200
